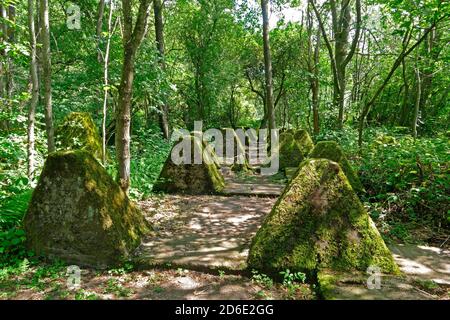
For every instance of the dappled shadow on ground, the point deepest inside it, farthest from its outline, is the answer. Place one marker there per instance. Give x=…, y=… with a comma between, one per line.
x=202, y=231
x=252, y=184
x=427, y=263
x=155, y=284
x=199, y=286
x=391, y=288
x=425, y=275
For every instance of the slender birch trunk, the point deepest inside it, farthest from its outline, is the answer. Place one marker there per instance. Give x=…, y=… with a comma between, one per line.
x=47, y=73
x=34, y=93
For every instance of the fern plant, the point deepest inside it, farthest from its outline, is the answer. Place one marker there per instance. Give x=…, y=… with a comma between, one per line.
x=13, y=210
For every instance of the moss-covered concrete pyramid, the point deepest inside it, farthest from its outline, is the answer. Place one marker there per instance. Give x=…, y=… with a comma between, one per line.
x=78, y=132
x=304, y=141
x=79, y=214
x=332, y=151
x=318, y=222
x=190, y=178
x=291, y=154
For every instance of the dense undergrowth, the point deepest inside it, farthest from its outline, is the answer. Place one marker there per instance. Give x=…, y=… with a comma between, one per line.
x=407, y=181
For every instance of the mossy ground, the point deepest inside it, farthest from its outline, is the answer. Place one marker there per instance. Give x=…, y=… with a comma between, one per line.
x=332, y=151
x=319, y=222
x=204, y=178
x=78, y=132
x=79, y=214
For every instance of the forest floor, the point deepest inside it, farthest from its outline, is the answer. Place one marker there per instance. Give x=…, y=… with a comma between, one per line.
x=202, y=232
x=203, y=268
x=198, y=250
x=154, y=284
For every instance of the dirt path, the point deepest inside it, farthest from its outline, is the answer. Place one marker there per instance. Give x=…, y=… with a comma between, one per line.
x=214, y=233
x=250, y=184
x=203, y=232
x=423, y=262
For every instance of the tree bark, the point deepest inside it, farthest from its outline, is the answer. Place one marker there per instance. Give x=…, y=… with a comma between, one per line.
x=268, y=65
x=315, y=86
x=100, y=12
x=159, y=34
x=47, y=73
x=132, y=38
x=106, y=80
x=312, y=65
x=10, y=64
x=417, y=105
x=3, y=38
x=34, y=92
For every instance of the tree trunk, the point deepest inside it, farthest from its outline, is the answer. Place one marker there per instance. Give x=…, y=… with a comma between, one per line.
x=428, y=72
x=132, y=38
x=100, y=12
x=47, y=73
x=417, y=105
x=106, y=81
x=159, y=33
x=268, y=65
x=10, y=64
x=3, y=38
x=341, y=55
x=315, y=86
x=34, y=92
x=124, y=119
x=341, y=30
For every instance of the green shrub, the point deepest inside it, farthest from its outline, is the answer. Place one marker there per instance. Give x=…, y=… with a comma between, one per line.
x=12, y=236
x=149, y=152
x=410, y=177
x=13, y=209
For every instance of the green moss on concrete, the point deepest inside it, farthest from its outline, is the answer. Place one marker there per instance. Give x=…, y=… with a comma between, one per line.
x=290, y=153
x=294, y=147
x=304, y=141
x=338, y=285
x=319, y=222
x=327, y=285
x=204, y=178
x=332, y=151
x=78, y=132
x=79, y=214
